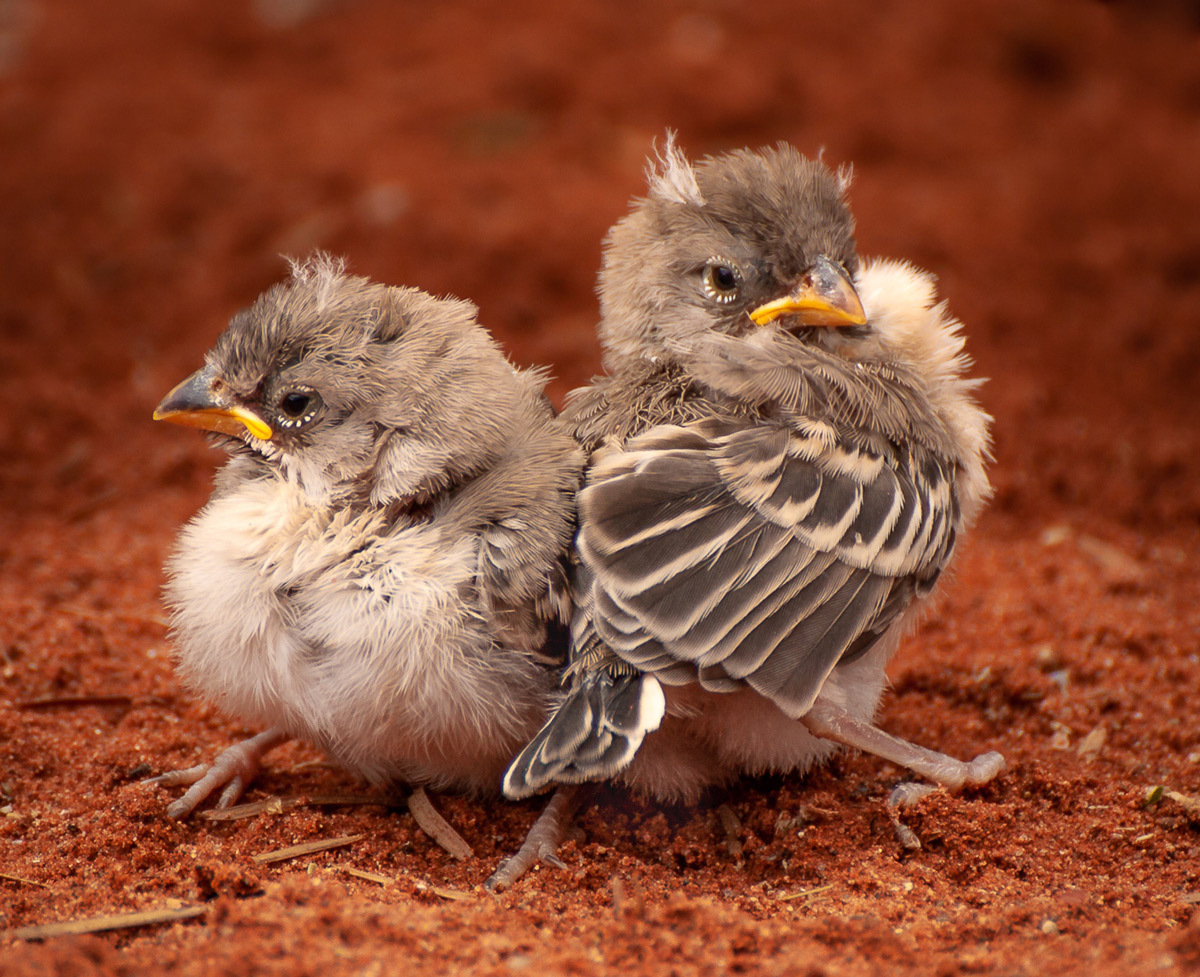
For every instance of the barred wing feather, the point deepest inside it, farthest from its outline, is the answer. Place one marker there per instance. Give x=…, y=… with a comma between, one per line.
x=757, y=554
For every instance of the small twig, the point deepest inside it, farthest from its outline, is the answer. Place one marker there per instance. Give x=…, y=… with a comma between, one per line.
x=618, y=896
x=307, y=848
x=277, y=805
x=98, y=924
x=804, y=893
x=450, y=893
x=346, y=800
x=23, y=881
x=51, y=701
x=358, y=873
x=268, y=805
x=436, y=826
x=319, y=763
x=732, y=826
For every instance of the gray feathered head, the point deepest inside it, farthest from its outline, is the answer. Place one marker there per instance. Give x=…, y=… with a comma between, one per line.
x=354, y=387
x=733, y=243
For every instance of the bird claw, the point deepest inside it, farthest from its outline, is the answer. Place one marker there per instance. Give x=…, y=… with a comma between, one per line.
x=955, y=773
x=179, y=778
x=908, y=794
x=231, y=772
x=541, y=843
x=548, y=855
x=984, y=767
x=501, y=878
x=512, y=868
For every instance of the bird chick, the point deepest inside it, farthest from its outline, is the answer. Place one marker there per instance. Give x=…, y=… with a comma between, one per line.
x=783, y=454
x=381, y=562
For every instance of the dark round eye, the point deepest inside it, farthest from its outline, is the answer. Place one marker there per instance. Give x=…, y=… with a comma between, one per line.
x=298, y=406
x=722, y=281
x=295, y=404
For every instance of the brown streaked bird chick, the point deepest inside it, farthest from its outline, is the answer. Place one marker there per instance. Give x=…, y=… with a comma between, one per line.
x=381, y=562
x=783, y=455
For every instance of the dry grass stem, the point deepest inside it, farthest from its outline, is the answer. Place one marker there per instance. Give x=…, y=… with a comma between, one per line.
x=437, y=827
x=98, y=924
x=307, y=848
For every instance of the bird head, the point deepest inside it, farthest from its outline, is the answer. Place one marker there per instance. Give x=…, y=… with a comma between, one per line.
x=745, y=241
x=351, y=387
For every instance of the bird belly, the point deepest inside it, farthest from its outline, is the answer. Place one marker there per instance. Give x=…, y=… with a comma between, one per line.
x=712, y=738
x=365, y=646
x=718, y=738
x=233, y=644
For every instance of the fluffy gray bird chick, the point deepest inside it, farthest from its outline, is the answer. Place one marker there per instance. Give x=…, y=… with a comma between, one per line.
x=782, y=457
x=381, y=559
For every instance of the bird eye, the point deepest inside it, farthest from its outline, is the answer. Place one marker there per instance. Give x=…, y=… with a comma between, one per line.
x=295, y=404
x=722, y=281
x=298, y=407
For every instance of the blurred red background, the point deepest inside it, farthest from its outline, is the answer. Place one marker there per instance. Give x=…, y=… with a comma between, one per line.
x=1041, y=159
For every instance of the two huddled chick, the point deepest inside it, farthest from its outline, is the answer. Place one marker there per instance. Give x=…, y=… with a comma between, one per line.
x=780, y=461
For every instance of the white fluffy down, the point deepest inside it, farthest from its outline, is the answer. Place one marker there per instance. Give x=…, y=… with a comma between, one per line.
x=377, y=657
x=902, y=306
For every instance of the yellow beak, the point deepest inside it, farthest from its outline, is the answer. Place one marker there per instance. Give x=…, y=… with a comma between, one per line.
x=195, y=403
x=824, y=297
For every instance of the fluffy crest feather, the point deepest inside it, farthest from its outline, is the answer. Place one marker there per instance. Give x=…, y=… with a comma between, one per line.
x=845, y=176
x=321, y=268
x=671, y=176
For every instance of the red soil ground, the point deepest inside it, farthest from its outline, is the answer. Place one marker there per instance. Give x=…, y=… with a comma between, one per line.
x=1040, y=158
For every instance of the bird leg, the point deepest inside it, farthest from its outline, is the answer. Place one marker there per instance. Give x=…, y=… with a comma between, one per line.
x=233, y=770
x=832, y=723
x=541, y=844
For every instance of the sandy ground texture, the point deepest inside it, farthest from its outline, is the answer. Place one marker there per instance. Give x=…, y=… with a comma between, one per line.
x=1041, y=158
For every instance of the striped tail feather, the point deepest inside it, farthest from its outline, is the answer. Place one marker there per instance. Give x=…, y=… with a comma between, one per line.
x=593, y=735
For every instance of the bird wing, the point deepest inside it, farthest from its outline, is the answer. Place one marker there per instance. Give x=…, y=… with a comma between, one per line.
x=731, y=552
x=523, y=511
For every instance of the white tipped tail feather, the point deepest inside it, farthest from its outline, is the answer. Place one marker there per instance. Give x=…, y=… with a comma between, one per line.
x=593, y=735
